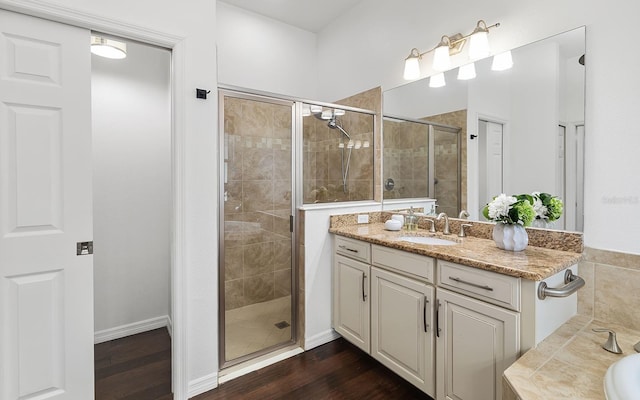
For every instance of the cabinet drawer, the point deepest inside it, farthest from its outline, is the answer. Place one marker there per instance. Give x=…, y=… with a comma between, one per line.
x=353, y=249
x=491, y=287
x=403, y=261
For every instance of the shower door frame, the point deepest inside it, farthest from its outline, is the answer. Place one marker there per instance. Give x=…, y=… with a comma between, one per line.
x=265, y=98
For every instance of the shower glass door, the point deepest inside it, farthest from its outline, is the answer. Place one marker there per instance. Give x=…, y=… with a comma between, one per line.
x=256, y=274
x=446, y=169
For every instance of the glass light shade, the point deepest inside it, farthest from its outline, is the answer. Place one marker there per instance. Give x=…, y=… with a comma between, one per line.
x=306, y=110
x=502, y=61
x=441, y=58
x=108, y=48
x=339, y=112
x=316, y=109
x=365, y=144
x=467, y=72
x=411, y=68
x=437, y=80
x=478, y=45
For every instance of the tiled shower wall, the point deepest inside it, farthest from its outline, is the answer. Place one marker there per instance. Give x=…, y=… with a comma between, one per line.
x=258, y=202
x=406, y=153
x=324, y=160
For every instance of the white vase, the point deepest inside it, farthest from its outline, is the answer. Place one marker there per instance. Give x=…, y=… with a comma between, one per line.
x=510, y=237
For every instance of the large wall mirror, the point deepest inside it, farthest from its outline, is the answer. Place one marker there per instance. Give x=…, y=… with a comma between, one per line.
x=519, y=130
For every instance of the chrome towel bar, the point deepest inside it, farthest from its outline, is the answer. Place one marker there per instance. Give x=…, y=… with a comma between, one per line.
x=572, y=284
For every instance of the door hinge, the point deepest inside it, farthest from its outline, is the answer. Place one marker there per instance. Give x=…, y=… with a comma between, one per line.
x=84, y=248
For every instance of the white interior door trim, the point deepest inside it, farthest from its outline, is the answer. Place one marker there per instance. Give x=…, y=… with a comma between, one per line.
x=70, y=16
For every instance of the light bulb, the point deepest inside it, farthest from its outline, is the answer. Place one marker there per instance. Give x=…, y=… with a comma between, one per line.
x=316, y=109
x=365, y=144
x=411, y=69
x=339, y=112
x=326, y=114
x=358, y=144
x=108, y=48
x=306, y=111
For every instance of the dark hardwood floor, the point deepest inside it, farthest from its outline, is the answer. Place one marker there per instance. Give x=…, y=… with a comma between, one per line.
x=138, y=367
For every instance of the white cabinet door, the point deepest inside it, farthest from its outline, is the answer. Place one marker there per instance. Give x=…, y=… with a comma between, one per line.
x=402, y=327
x=46, y=290
x=476, y=342
x=351, y=301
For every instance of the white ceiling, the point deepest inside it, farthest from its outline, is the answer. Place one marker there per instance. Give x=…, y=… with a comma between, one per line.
x=310, y=15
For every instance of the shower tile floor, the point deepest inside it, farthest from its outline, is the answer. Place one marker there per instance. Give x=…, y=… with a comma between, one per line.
x=252, y=328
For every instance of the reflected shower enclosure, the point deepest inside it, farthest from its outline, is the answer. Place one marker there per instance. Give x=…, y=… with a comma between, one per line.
x=337, y=154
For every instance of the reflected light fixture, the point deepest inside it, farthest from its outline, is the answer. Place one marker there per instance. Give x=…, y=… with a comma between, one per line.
x=467, y=72
x=502, y=61
x=306, y=110
x=449, y=46
x=437, y=80
x=108, y=48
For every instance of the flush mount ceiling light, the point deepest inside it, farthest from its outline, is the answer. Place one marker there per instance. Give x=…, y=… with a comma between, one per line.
x=449, y=46
x=108, y=48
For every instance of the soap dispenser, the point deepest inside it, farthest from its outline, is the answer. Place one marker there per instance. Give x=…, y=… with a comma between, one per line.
x=411, y=221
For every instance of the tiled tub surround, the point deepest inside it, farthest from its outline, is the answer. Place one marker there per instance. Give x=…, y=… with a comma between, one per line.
x=570, y=364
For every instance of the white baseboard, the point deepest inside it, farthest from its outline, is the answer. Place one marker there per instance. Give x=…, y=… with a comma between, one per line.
x=170, y=326
x=201, y=385
x=320, y=339
x=130, y=329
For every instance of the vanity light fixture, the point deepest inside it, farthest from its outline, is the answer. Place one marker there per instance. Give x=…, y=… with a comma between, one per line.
x=467, y=72
x=108, y=48
x=437, y=80
x=448, y=46
x=502, y=61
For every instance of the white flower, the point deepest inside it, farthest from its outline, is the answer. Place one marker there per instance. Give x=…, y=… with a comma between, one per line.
x=499, y=207
x=539, y=208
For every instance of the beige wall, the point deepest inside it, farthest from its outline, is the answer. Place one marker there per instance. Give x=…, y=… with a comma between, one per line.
x=611, y=291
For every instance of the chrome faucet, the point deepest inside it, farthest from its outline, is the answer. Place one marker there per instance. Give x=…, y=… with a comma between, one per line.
x=464, y=214
x=446, y=230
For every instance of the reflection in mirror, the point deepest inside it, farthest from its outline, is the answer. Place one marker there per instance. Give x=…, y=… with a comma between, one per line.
x=419, y=149
x=524, y=127
x=337, y=154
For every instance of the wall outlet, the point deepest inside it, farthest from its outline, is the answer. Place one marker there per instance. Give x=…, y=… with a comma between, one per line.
x=363, y=218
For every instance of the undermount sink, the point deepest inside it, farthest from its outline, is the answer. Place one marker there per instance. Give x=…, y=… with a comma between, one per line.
x=622, y=380
x=433, y=241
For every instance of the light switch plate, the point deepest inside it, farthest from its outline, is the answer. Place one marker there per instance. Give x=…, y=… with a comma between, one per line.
x=363, y=218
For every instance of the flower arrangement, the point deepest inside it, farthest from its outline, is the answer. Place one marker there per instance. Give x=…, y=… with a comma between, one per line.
x=547, y=207
x=510, y=210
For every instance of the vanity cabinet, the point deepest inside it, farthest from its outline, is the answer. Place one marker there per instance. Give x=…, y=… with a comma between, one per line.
x=351, y=313
x=476, y=342
x=402, y=327
x=394, y=324
x=449, y=329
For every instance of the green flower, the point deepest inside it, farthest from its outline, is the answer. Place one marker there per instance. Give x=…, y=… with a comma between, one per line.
x=554, y=208
x=523, y=212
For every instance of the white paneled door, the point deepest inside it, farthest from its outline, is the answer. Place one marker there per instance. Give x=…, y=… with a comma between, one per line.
x=46, y=290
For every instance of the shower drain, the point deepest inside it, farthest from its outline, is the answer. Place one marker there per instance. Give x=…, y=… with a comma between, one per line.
x=281, y=324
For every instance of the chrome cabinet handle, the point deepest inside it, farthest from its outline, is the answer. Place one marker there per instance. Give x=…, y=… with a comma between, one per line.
x=572, y=284
x=485, y=287
x=364, y=296
x=348, y=249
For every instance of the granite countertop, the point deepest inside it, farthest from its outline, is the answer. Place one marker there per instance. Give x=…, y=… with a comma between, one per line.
x=534, y=263
x=569, y=364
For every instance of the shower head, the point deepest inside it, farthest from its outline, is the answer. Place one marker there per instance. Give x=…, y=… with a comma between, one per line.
x=332, y=124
